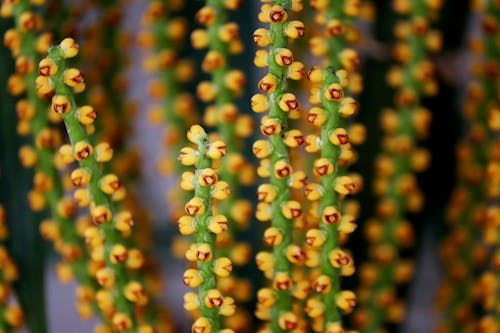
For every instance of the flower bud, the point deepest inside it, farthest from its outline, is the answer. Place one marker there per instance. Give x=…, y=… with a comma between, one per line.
x=186, y=225
x=192, y=278
x=330, y=215
x=291, y=209
x=270, y=126
x=82, y=150
x=188, y=156
x=223, y=267
x=294, y=29
x=69, y=48
x=218, y=224
x=277, y=14
x=261, y=37
x=282, y=169
x=262, y=148
x=216, y=150
x=284, y=57
x=334, y=92
x=195, y=207
x=272, y=236
x=207, y=177
x=60, y=104
x=221, y=190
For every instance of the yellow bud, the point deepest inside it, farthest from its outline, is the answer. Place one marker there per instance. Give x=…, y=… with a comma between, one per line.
x=86, y=115
x=105, y=277
x=266, y=193
x=284, y=57
x=195, y=207
x=192, y=278
x=268, y=83
x=315, y=238
x=214, y=299
x=60, y=104
x=100, y=214
x=207, y=177
x=265, y=261
x=259, y=103
x=334, y=92
x=294, y=29
x=228, y=307
x=260, y=59
x=135, y=293
x=296, y=70
x=288, y=102
x=69, y=48
x=104, y=152
x=188, y=156
x=344, y=185
x=282, y=169
x=262, y=148
x=282, y=281
x=314, y=307
x=261, y=37
x=346, y=301
x=47, y=67
x=223, y=267
x=288, y=321
x=121, y=322
x=199, y=39
x=263, y=213
x=73, y=77
x=272, y=236
x=291, y=209
x=118, y=254
x=28, y=156
x=216, y=150
x=191, y=302
x=277, y=14
x=221, y=190
x=110, y=183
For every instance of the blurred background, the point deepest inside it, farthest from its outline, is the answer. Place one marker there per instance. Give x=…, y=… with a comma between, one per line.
x=456, y=22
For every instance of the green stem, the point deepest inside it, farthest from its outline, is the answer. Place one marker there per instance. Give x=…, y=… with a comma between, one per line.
x=205, y=236
x=330, y=198
x=111, y=236
x=284, y=300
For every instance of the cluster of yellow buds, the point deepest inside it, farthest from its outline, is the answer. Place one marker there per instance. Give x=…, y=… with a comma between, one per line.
x=222, y=40
x=34, y=119
x=473, y=210
x=11, y=315
x=121, y=296
x=334, y=220
x=395, y=183
x=276, y=304
x=209, y=228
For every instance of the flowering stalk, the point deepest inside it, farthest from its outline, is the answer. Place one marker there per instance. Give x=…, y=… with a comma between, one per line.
x=33, y=119
x=492, y=72
x=333, y=187
x=11, y=316
x=99, y=191
x=201, y=221
x=276, y=205
x=395, y=185
x=222, y=40
x=489, y=113
x=335, y=143
x=464, y=250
